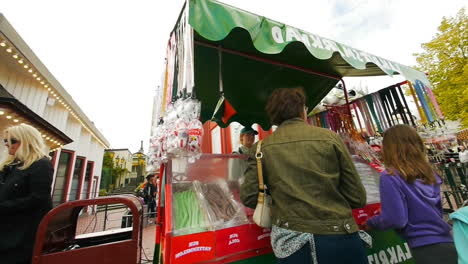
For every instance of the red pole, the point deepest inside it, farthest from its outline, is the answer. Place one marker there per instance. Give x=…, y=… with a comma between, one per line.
x=159, y=209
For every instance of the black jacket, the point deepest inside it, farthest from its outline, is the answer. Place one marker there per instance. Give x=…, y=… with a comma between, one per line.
x=25, y=197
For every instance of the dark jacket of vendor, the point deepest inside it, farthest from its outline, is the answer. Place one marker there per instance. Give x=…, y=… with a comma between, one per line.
x=311, y=177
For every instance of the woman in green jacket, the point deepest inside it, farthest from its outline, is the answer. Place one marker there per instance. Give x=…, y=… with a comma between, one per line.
x=313, y=184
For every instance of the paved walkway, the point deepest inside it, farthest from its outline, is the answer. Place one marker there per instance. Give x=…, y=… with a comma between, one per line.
x=90, y=223
x=149, y=235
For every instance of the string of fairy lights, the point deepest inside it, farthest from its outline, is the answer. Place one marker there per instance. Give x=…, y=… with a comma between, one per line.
x=29, y=68
x=11, y=117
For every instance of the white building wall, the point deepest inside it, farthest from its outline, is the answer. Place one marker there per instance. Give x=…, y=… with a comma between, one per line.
x=29, y=92
x=24, y=88
x=35, y=87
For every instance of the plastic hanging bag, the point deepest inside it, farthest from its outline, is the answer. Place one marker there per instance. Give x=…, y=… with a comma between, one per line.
x=223, y=210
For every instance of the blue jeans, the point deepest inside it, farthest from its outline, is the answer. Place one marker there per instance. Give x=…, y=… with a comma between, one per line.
x=331, y=249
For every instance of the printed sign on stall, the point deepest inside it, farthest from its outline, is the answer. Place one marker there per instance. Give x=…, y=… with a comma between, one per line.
x=193, y=248
x=388, y=248
x=232, y=240
x=258, y=237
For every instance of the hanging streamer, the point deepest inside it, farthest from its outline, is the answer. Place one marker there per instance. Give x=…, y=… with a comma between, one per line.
x=329, y=121
x=390, y=106
x=220, y=72
x=188, y=56
x=368, y=120
x=416, y=101
x=431, y=106
x=359, y=109
x=171, y=58
x=399, y=105
x=323, y=120
x=165, y=87
x=382, y=109
x=418, y=86
x=357, y=117
x=378, y=108
x=379, y=117
x=370, y=104
x=374, y=125
x=386, y=108
x=434, y=102
x=180, y=33
x=393, y=105
x=406, y=105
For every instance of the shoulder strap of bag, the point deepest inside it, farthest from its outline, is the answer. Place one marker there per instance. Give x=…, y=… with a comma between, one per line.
x=258, y=157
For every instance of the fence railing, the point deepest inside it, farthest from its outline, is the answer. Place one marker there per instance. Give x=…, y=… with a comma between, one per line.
x=454, y=189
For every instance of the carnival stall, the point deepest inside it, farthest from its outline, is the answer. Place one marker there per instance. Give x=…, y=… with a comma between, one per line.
x=221, y=65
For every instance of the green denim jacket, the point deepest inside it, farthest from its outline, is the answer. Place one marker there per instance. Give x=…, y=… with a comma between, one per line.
x=311, y=178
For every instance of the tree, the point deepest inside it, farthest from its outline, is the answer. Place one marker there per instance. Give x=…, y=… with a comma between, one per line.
x=107, y=171
x=445, y=60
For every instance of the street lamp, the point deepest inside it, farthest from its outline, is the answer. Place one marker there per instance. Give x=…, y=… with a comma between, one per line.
x=122, y=166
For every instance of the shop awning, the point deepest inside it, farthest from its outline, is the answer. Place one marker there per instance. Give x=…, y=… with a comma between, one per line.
x=259, y=54
x=12, y=112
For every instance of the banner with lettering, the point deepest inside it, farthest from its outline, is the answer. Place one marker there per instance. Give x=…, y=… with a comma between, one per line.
x=388, y=248
x=214, y=21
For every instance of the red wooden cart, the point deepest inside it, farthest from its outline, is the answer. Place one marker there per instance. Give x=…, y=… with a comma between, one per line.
x=57, y=240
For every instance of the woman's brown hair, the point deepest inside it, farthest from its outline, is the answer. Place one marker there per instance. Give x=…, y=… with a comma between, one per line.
x=284, y=104
x=403, y=150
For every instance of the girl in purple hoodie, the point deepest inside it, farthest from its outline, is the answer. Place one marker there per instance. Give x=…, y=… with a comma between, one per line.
x=410, y=198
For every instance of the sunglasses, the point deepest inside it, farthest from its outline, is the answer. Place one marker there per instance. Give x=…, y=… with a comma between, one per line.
x=13, y=141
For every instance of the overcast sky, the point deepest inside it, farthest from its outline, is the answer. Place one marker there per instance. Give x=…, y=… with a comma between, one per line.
x=108, y=54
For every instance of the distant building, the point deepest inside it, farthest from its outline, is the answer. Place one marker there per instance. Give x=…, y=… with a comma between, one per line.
x=30, y=94
x=123, y=159
x=139, y=164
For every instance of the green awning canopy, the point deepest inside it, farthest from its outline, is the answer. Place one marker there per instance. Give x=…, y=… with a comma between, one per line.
x=259, y=55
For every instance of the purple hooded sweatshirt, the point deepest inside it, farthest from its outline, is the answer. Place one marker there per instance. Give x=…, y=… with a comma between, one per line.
x=414, y=210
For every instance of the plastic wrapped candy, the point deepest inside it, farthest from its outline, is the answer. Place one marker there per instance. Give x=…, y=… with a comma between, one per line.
x=180, y=137
x=195, y=134
x=192, y=109
x=180, y=134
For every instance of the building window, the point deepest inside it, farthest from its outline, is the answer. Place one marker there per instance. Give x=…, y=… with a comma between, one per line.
x=88, y=175
x=77, y=171
x=60, y=179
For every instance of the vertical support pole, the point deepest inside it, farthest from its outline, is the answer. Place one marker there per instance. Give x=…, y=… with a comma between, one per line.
x=105, y=219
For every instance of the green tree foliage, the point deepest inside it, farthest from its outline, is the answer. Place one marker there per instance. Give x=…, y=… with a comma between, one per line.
x=108, y=160
x=445, y=59
x=109, y=168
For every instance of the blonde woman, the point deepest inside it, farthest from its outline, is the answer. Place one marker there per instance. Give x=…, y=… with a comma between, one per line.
x=25, y=187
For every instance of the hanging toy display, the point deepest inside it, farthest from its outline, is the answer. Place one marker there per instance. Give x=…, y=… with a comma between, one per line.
x=179, y=135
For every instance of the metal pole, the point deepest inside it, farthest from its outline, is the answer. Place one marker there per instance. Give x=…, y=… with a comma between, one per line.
x=105, y=219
